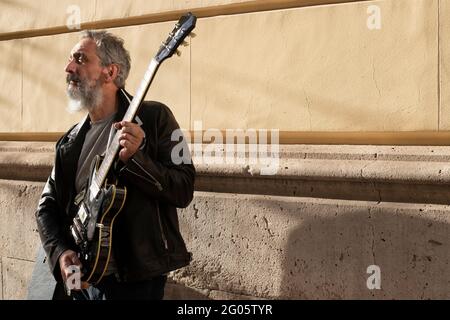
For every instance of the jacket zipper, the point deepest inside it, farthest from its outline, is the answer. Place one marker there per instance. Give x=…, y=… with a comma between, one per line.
x=156, y=182
x=163, y=235
x=159, y=186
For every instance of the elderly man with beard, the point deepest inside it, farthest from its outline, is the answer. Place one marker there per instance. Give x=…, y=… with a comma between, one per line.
x=147, y=240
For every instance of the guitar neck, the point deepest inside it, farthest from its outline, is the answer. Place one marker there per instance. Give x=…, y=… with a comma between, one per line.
x=114, y=146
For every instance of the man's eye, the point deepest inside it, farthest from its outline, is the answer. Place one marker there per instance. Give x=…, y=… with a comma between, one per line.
x=78, y=58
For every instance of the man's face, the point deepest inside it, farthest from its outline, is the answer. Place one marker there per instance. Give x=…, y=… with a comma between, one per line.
x=84, y=74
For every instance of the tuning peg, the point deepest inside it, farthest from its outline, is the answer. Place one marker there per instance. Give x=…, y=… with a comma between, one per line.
x=178, y=52
x=192, y=35
x=185, y=43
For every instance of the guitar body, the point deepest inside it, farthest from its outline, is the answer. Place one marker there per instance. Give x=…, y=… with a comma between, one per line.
x=92, y=227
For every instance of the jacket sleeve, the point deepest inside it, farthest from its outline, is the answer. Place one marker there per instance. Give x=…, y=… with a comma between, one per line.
x=50, y=225
x=162, y=178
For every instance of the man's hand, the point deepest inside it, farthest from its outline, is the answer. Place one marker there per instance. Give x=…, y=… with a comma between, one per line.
x=131, y=137
x=68, y=259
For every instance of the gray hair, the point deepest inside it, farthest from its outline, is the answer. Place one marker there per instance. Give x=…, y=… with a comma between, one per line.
x=110, y=50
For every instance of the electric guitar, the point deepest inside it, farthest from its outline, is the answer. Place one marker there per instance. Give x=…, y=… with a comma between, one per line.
x=103, y=200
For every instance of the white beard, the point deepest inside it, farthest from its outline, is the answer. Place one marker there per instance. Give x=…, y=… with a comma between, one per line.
x=74, y=106
x=84, y=101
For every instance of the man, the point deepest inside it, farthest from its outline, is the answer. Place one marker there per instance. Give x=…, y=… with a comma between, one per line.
x=146, y=239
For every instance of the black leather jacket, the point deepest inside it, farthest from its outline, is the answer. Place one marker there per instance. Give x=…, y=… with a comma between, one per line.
x=147, y=241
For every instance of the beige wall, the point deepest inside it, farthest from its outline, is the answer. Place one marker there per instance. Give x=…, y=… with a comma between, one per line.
x=444, y=65
x=11, y=85
x=319, y=69
x=303, y=69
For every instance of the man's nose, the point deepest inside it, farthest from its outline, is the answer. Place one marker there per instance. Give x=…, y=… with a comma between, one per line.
x=70, y=67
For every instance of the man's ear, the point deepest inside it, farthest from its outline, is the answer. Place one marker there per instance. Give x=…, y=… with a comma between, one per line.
x=111, y=72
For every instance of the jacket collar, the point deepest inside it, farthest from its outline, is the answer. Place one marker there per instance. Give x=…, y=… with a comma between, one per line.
x=124, y=101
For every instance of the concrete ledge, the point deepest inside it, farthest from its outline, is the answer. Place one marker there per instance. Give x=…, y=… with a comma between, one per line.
x=27, y=161
x=418, y=164
x=373, y=173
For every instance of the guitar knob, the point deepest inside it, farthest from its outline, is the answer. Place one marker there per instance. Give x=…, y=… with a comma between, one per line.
x=185, y=43
x=178, y=52
x=192, y=35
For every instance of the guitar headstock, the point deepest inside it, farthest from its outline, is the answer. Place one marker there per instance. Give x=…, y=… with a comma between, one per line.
x=182, y=29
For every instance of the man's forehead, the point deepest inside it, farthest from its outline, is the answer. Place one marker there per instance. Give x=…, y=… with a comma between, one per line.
x=85, y=45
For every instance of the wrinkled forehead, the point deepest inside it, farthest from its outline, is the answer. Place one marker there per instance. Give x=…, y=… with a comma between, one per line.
x=86, y=47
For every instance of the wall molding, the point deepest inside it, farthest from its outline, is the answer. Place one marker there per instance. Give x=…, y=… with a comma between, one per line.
x=173, y=15
x=407, y=138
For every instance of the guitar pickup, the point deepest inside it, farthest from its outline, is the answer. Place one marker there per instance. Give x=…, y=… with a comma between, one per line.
x=79, y=228
x=76, y=236
x=78, y=225
x=82, y=214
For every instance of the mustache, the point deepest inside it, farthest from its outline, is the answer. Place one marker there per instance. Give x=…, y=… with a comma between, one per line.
x=72, y=77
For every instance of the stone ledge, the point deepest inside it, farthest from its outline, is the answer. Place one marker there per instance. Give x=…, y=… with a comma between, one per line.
x=28, y=161
x=389, y=173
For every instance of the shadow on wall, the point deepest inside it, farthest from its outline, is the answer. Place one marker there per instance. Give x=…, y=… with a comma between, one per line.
x=327, y=257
